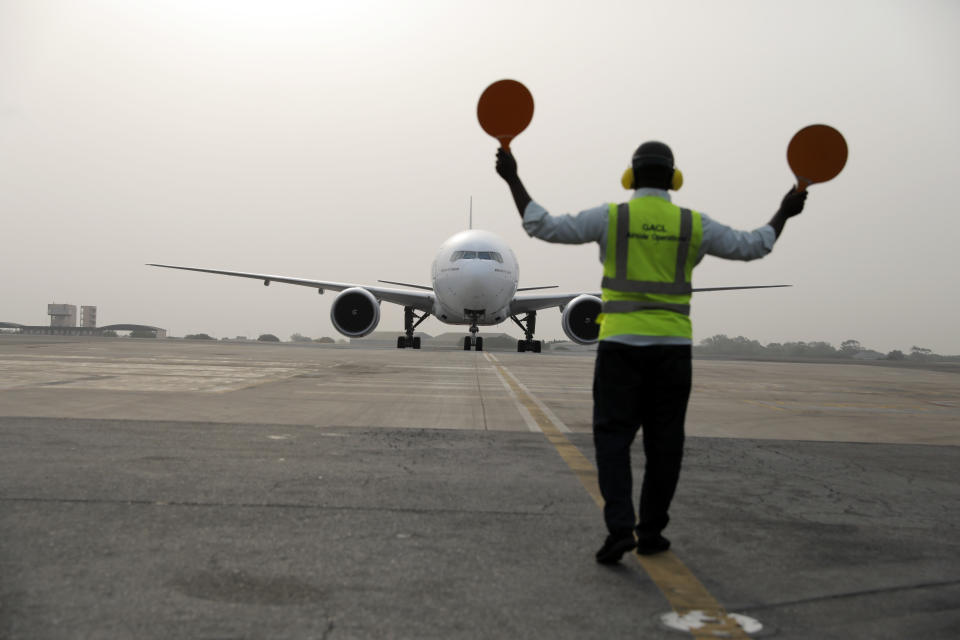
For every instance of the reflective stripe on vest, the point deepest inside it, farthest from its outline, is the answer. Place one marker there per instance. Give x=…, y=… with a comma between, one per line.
x=652, y=246
x=626, y=306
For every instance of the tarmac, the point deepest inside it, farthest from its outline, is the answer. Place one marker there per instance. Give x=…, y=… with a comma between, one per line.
x=215, y=490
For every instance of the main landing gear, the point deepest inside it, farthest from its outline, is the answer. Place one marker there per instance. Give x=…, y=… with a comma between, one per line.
x=529, y=325
x=408, y=326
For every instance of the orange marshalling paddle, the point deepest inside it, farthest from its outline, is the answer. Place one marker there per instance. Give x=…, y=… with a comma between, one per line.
x=816, y=154
x=504, y=110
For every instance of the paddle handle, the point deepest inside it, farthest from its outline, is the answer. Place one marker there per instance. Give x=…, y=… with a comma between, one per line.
x=802, y=184
x=505, y=142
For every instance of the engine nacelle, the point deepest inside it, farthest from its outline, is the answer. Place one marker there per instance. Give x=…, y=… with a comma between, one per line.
x=579, y=319
x=355, y=312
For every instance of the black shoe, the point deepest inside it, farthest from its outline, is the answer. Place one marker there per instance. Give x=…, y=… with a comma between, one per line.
x=614, y=548
x=651, y=544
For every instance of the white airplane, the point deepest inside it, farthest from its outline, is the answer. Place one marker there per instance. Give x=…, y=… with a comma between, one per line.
x=475, y=276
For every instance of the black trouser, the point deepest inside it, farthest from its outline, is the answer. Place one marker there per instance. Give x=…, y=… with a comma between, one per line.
x=634, y=386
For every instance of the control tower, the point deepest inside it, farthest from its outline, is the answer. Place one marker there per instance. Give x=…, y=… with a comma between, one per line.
x=62, y=315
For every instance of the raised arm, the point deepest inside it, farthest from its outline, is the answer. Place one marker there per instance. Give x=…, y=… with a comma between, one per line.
x=507, y=169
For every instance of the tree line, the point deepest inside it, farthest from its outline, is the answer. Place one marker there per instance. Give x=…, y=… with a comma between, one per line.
x=849, y=349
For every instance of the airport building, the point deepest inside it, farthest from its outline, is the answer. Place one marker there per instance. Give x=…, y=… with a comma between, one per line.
x=88, y=316
x=63, y=322
x=62, y=315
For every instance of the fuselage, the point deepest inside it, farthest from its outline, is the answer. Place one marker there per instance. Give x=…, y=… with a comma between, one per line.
x=474, y=277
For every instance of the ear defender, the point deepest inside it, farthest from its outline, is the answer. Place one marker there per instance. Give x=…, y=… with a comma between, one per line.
x=675, y=183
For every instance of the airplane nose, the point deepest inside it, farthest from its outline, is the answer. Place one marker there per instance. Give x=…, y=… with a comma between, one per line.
x=482, y=286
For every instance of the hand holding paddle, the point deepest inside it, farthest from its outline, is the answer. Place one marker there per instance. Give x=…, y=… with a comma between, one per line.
x=816, y=154
x=792, y=203
x=504, y=110
x=506, y=165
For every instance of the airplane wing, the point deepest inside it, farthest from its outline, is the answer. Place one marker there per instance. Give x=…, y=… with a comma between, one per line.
x=756, y=286
x=407, y=284
x=549, y=286
x=527, y=303
x=535, y=302
x=418, y=300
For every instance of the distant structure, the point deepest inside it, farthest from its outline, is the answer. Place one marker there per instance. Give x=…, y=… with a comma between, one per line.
x=63, y=322
x=62, y=315
x=88, y=316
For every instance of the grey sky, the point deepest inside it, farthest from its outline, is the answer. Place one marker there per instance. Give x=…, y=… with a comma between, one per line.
x=338, y=141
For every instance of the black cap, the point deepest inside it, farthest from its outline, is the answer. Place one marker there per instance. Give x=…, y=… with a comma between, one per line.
x=653, y=153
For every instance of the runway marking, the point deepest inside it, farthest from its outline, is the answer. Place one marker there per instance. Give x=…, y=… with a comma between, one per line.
x=557, y=422
x=524, y=413
x=684, y=592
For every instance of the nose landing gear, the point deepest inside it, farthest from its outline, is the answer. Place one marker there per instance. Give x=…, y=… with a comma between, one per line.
x=473, y=339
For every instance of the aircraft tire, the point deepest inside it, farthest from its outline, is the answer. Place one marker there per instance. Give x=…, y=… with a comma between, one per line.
x=521, y=346
x=416, y=342
x=401, y=342
x=537, y=344
x=466, y=343
x=479, y=344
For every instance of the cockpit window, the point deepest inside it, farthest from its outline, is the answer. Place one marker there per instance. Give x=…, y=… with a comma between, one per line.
x=489, y=255
x=476, y=255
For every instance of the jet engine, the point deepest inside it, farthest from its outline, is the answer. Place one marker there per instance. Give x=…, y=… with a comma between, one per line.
x=355, y=312
x=579, y=319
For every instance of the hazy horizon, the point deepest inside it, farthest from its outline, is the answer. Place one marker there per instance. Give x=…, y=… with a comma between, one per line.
x=338, y=141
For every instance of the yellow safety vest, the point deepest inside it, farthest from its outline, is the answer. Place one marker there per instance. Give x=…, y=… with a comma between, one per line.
x=652, y=246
